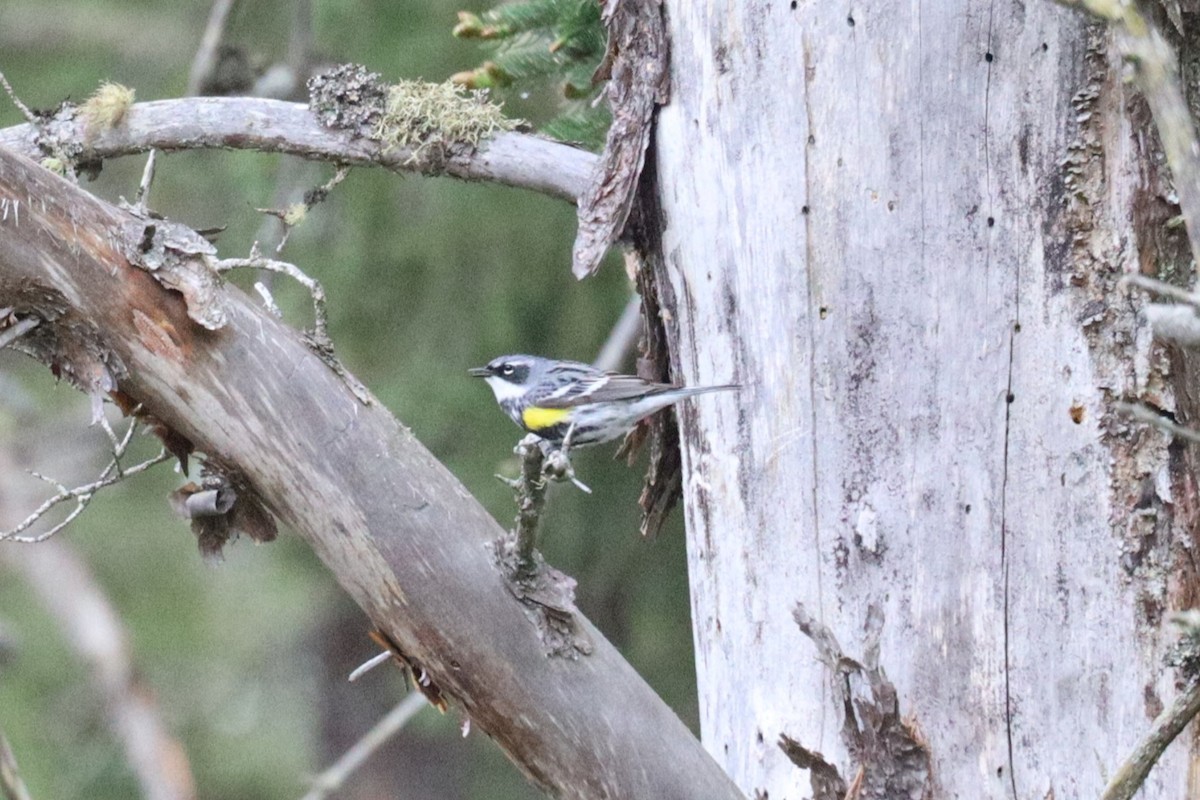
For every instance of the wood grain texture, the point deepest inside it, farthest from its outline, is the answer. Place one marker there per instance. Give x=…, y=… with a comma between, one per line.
x=900, y=226
x=401, y=534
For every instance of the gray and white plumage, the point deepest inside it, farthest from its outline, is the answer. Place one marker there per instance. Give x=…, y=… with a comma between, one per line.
x=547, y=397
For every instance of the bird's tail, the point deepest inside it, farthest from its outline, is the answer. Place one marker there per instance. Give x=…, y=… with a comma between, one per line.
x=691, y=391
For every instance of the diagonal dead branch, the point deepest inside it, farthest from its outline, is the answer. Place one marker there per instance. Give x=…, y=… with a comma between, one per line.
x=622, y=337
x=404, y=538
x=1129, y=778
x=204, y=63
x=1150, y=417
x=11, y=784
x=392, y=723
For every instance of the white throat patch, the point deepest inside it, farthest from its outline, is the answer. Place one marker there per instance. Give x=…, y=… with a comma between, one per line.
x=503, y=389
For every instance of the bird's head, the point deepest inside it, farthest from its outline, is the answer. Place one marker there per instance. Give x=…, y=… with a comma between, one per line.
x=510, y=376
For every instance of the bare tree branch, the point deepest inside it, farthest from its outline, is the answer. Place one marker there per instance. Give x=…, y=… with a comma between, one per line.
x=16, y=101
x=142, y=198
x=274, y=126
x=17, y=330
x=93, y=629
x=10, y=777
x=205, y=60
x=403, y=537
x=256, y=261
x=332, y=778
x=622, y=337
x=1168, y=725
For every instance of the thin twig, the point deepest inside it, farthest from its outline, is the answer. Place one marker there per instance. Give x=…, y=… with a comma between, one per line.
x=332, y=778
x=10, y=777
x=205, y=61
x=1169, y=724
x=143, y=193
x=622, y=337
x=1179, y=322
x=1143, y=414
x=268, y=299
x=16, y=101
x=256, y=261
x=370, y=664
x=294, y=214
x=1163, y=289
x=11, y=334
x=82, y=495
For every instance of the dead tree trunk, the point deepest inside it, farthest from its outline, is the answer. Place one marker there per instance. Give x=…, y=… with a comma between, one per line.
x=900, y=227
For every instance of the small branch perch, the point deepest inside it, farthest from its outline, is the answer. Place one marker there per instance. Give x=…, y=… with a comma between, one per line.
x=530, y=489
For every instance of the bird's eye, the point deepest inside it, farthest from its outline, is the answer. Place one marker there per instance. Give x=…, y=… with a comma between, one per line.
x=506, y=369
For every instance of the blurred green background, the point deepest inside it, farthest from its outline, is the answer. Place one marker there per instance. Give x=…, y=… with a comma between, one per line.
x=425, y=278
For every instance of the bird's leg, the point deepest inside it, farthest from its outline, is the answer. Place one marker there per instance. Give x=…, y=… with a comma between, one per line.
x=559, y=462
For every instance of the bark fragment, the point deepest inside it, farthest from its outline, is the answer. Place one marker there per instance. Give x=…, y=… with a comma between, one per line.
x=636, y=68
x=888, y=755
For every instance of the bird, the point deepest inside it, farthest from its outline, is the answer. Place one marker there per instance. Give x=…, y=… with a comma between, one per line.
x=570, y=404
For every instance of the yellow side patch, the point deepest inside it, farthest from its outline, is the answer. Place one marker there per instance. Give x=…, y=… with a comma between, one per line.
x=537, y=419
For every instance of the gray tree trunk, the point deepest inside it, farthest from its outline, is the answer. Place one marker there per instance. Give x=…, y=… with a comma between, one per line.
x=900, y=227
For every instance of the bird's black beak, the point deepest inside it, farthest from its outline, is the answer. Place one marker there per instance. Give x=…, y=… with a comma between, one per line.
x=479, y=372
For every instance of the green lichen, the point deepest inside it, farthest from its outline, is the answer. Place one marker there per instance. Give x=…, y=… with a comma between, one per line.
x=425, y=117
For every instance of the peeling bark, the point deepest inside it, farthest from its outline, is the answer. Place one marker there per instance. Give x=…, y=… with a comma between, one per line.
x=636, y=69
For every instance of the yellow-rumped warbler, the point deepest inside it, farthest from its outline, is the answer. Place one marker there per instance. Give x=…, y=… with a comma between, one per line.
x=555, y=398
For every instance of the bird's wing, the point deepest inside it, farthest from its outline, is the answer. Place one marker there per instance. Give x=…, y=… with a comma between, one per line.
x=600, y=388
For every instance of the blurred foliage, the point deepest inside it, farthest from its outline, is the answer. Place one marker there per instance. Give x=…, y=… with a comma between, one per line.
x=425, y=278
x=532, y=42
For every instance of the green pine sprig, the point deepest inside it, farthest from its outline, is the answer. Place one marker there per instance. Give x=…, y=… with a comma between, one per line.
x=532, y=42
